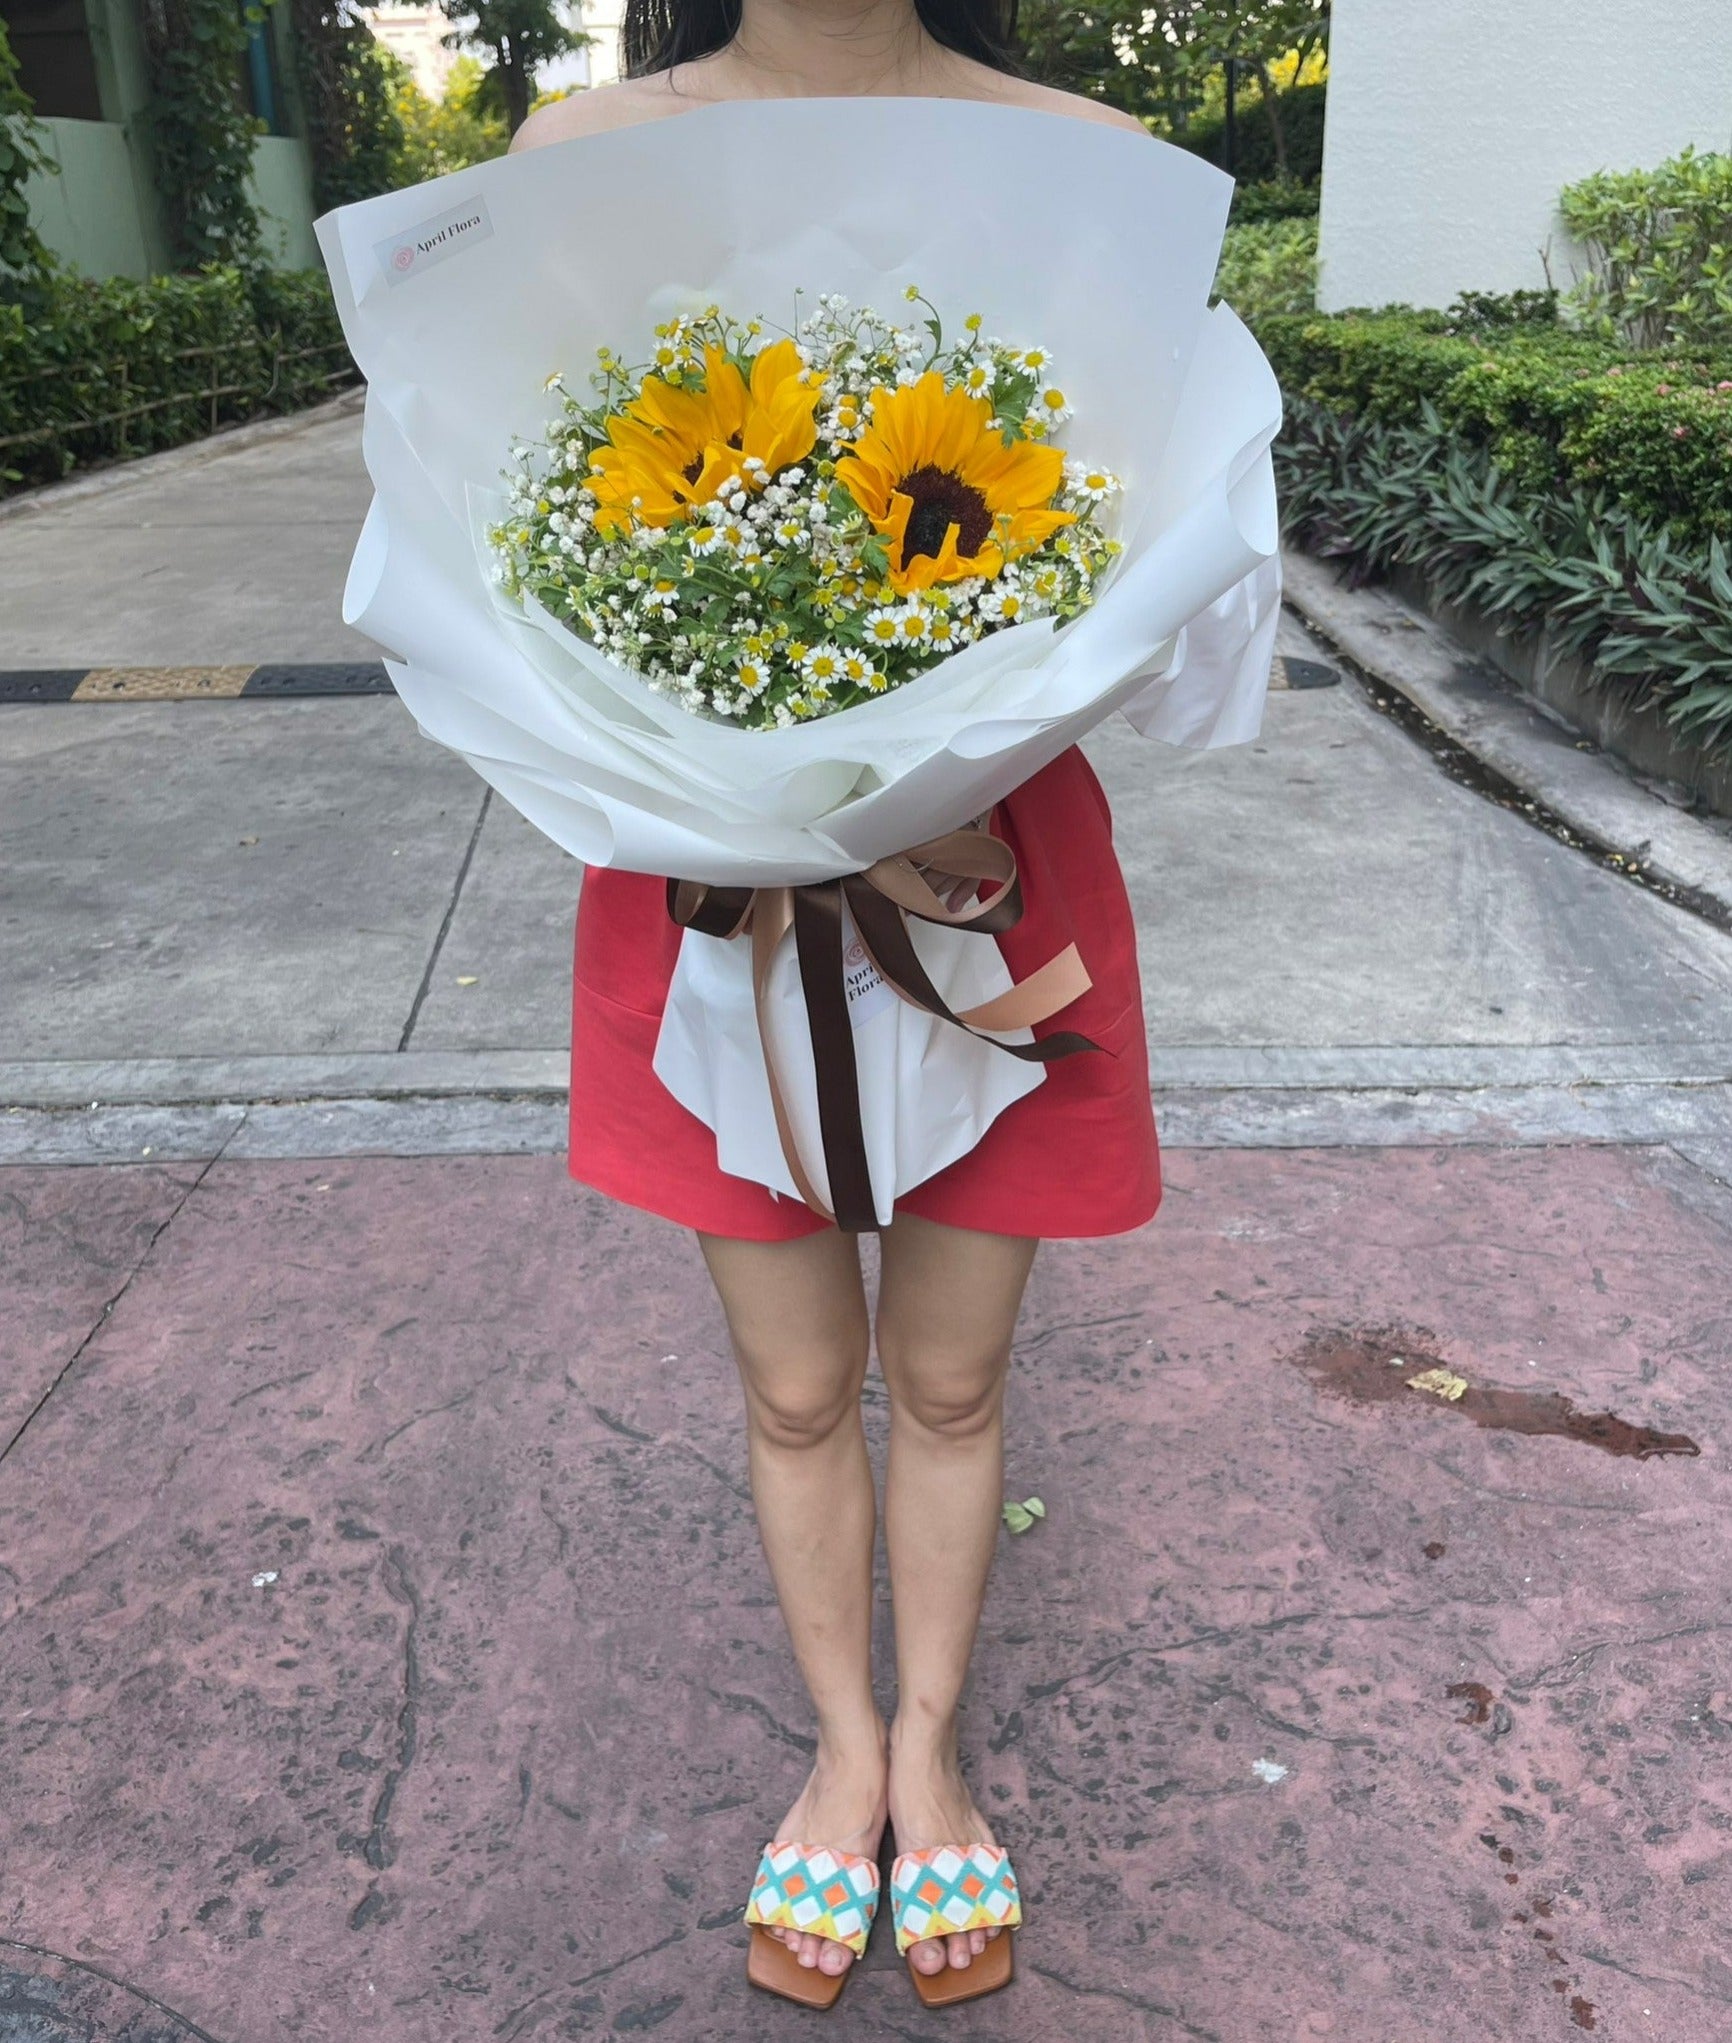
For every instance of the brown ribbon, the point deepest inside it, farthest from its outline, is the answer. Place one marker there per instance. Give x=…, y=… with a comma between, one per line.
x=881, y=899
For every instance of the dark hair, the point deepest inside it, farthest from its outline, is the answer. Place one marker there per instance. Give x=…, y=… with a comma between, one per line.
x=655, y=35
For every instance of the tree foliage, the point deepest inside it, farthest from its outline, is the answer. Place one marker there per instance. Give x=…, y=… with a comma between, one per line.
x=449, y=133
x=201, y=133
x=515, y=38
x=349, y=84
x=1164, y=62
x=22, y=253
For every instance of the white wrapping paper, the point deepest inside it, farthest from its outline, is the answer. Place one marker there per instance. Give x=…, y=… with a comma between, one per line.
x=459, y=299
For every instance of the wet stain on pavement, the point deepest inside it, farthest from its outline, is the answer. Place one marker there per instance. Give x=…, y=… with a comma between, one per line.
x=1550, y=1952
x=1476, y=1695
x=1374, y=1366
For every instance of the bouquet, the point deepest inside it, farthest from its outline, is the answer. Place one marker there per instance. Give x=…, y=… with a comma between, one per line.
x=776, y=529
x=619, y=638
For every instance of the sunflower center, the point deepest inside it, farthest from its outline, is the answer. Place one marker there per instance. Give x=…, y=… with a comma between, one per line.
x=695, y=467
x=942, y=499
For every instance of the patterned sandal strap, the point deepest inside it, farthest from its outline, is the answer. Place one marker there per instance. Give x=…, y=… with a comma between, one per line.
x=945, y=1889
x=810, y=1887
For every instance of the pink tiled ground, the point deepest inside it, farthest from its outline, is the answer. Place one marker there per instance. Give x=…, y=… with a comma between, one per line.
x=492, y=1753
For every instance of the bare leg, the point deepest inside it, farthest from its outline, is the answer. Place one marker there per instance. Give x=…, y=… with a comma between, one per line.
x=947, y=1307
x=797, y=1314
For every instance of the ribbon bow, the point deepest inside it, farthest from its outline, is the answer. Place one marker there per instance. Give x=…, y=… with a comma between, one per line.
x=880, y=900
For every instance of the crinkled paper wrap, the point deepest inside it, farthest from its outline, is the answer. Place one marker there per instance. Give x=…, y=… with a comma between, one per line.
x=461, y=297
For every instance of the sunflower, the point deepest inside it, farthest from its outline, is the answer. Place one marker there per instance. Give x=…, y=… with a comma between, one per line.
x=945, y=489
x=672, y=448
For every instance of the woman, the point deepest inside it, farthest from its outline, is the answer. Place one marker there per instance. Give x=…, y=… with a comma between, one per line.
x=1078, y=1156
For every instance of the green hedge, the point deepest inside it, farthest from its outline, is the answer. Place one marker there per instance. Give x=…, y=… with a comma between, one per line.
x=94, y=371
x=1659, y=249
x=1554, y=408
x=1540, y=476
x=1274, y=198
x=1268, y=268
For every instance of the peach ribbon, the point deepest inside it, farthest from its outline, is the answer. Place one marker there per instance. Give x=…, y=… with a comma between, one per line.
x=880, y=900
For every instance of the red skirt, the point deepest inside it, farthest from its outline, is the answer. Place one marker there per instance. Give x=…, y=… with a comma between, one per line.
x=1077, y=1156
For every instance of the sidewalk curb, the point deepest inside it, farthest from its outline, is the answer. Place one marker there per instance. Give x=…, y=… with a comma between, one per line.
x=258, y=1079
x=62, y=1085
x=148, y=468
x=1694, y=1121
x=1470, y=702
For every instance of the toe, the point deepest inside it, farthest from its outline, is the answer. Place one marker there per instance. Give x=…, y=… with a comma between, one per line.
x=928, y=1955
x=809, y=1950
x=834, y=1957
x=959, y=1951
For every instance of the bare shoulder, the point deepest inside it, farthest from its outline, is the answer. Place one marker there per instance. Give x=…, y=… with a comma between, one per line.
x=634, y=100
x=1049, y=99
x=601, y=107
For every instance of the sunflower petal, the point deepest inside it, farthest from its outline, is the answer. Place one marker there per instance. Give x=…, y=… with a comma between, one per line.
x=1017, y=476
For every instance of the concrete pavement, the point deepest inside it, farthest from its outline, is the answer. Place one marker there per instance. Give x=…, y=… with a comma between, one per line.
x=389, y=1652
x=191, y=557
x=197, y=886
x=387, y=1647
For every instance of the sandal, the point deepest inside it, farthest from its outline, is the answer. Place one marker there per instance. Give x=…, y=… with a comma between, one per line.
x=808, y=1887
x=944, y=1890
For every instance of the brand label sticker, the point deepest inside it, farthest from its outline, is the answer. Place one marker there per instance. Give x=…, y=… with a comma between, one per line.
x=432, y=241
x=869, y=993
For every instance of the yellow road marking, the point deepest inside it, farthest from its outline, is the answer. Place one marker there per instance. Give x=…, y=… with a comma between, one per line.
x=159, y=684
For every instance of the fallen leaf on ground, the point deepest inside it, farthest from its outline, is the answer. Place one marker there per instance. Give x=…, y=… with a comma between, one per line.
x=1442, y=1383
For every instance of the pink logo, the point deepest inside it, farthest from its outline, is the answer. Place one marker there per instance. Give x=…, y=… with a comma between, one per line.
x=403, y=258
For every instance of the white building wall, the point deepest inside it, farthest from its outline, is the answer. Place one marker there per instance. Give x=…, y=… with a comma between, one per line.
x=417, y=35
x=601, y=19
x=87, y=208
x=1453, y=124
